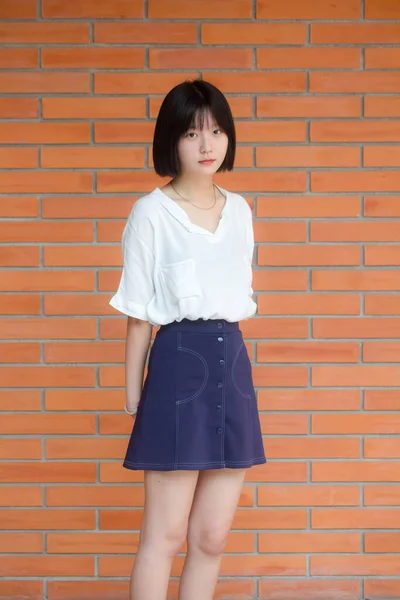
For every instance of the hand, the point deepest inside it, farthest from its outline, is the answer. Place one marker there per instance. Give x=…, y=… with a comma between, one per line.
x=130, y=412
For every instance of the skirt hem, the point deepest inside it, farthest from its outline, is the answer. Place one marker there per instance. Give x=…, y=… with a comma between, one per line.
x=193, y=466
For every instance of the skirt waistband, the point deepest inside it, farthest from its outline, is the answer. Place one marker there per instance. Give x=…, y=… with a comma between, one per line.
x=202, y=326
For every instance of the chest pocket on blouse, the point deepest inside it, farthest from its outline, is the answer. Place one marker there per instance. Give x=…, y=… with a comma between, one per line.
x=180, y=279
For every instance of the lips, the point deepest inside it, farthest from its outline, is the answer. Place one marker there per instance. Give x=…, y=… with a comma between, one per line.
x=207, y=162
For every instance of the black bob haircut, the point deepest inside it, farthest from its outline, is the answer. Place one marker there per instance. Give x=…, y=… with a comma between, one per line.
x=183, y=108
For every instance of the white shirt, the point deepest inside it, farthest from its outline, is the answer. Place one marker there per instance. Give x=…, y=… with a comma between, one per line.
x=174, y=269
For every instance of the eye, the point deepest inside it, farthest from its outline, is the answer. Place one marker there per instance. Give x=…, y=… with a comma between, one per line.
x=217, y=131
x=190, y=134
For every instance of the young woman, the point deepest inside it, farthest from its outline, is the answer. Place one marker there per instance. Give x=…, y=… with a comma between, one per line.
x=188, y=251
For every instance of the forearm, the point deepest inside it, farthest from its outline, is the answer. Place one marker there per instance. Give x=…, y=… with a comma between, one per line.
x=138, y=337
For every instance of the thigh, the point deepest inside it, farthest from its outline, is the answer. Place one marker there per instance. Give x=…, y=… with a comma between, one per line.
x=168, y=501
x=215, y=501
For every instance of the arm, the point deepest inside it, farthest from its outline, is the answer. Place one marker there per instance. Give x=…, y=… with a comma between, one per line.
x=138, y=337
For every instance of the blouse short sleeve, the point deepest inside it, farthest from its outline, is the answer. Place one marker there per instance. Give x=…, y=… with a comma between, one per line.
x=136, y=286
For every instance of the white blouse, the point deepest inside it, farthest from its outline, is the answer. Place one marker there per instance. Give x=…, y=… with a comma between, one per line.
x=174, y=269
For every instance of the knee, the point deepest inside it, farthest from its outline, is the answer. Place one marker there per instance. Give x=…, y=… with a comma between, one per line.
x=210, y=541
x=167, y=542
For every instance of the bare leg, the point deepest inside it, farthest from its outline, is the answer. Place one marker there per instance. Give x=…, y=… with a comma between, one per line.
x=216, y=497
x=168, y=500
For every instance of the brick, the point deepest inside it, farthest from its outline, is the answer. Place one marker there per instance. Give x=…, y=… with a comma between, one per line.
x=307, y=156
x=382, y=255
x=87, y=590
x=382, y=495
x=123, y=132
x=308, y=106
x=363, y=424
x=310, y=495
x=355, y=131
x=92, y=543
x=200, y=58
x=11, y=543
x=382, y=58
x=93, y=58
x=308, y=400
x=145, y=33
x=308, y=58
x=382, y=206
x=381, y=448
x=347, y=280
x=85, y=448
x=18, y=206
x=19, y=257
x=20, y=448
x=381, y=304
x=45, y=182
x=308, y=255
x=44, y=133
x=43, y=33
x=98, y=157
x=18, y=108
x=354, y=565
x=90, y=352
x=92, y=9
x=48, y=472
x=23, y=82
x=47, y=424
x=350, y=231
x=137, y=83
x=20, y=400
x=284, y=424
x=23, y=352
x=356, y=328
x=46, y=566
x=309, y=542
x=382, y=542
x=382, y=9
x=381, y=400
x=199, y=9
x=302, y=206
x=362, y=82
x=24, y=9
x=18, y=58
x=32, y=519
x=81, y=256
x=26, y=590
x=354, y=518
x=93, y=108
x=368, y=181
x=91, y=208
x=355, y=33
x=94, y=495
x=259, y=83
x=81, y=304
x=381, y=156
x=283, y=448
x=47, y=376
x=389, y=588
x=17, y=304
x=309, y=589
x=280, y=232
x=18, y=158
x=12, y=496
x=241, y=106
x=382, y=106
x=36, y=231
x=271, y=131
x=309, y=9
x=253, y=33
x=298, y=352
x=48, y=281
x=308, y=304
x=85, y=400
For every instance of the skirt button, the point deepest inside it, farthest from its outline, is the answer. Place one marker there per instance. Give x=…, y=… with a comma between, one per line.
x=219, y=430
x=220, y=384
x=222, y=362
x=220, y=339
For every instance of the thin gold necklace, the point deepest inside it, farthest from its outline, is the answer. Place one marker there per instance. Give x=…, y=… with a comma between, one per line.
x=196, y=205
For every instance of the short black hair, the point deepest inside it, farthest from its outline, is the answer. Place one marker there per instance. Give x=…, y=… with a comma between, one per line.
x=180, y=110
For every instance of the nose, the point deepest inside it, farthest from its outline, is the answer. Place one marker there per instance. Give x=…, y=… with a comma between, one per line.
x=206, y=144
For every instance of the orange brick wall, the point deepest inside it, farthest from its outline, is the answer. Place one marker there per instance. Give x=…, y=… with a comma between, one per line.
x=314, y=86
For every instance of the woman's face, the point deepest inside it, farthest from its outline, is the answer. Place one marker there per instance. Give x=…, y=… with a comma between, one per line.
x=202, y=149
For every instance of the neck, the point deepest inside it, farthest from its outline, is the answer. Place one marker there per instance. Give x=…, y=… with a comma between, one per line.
x=194, y=186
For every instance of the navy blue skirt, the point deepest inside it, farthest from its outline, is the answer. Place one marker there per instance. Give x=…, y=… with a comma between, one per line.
x=198, y=408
